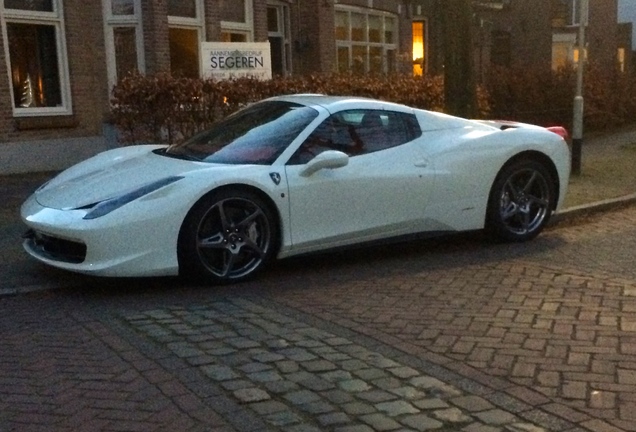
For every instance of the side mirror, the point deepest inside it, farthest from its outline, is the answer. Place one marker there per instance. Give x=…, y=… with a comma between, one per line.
x=326, y=160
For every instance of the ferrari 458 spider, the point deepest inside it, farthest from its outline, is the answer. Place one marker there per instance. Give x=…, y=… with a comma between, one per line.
x=292, y=175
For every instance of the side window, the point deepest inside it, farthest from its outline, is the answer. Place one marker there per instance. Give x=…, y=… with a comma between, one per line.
x=401, y=128
x=357, y=132
x=335, y=133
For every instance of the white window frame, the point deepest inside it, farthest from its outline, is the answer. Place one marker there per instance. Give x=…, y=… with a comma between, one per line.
x=246, y=28
x=197, y=23
x=349, y=44
x=117, y=21
x=55, y=19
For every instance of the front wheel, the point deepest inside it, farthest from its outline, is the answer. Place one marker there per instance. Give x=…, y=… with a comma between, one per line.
x=227, y=237
x=521, y=201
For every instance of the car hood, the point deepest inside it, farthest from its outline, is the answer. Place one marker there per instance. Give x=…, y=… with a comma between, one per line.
x=109, y=175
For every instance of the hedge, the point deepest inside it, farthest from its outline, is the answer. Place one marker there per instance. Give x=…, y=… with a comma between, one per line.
x=160, y=108
x=546, y=97
x=164, y=109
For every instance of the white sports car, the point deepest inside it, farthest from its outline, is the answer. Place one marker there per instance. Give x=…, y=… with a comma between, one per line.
x=291, y=175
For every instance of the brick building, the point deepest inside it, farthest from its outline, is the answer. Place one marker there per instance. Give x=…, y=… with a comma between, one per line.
x=543, y=33
x=53, y=91
x=62, y=57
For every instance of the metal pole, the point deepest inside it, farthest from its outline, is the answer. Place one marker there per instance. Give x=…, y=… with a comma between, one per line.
x=577, y=132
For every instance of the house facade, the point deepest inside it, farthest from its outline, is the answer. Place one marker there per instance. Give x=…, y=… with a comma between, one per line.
x=544, y=34
x=60, y=58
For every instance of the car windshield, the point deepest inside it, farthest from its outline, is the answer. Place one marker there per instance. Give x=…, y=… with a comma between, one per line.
x=257, y=134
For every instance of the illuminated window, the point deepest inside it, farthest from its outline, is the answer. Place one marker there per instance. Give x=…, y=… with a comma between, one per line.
x=576, y=55
x=36, y=51
x=124, y=39
x=365, y=40
x=559, y=56
x=419, y=48
x=564, y=52
x=185, y=21
x=621, y=59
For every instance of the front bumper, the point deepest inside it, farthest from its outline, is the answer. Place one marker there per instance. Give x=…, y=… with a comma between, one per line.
x=139, y=241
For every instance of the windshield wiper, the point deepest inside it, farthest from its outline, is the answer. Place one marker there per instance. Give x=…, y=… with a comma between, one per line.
x=184, y=156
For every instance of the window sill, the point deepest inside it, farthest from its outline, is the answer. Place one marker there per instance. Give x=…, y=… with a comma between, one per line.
x=49, y=122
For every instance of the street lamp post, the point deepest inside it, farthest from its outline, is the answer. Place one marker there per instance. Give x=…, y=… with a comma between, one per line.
x=577, y=129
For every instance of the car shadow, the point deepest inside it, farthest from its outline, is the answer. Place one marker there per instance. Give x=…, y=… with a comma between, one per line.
x=310, y=271
x=447, y=251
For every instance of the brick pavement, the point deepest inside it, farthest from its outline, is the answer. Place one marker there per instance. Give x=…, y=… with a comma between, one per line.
x=62, y=371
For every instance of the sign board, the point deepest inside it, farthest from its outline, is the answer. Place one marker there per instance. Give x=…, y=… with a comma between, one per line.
x=225, y=60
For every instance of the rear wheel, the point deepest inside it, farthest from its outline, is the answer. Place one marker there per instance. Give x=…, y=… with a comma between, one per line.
x=521, y=201
x=228, y=236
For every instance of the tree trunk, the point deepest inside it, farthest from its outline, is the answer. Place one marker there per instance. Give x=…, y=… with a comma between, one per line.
x=459, y=84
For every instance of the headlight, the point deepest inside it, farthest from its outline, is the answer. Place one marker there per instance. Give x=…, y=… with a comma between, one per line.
x=107, y=206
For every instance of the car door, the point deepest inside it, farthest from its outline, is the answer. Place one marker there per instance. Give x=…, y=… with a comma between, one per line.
x=381, y=192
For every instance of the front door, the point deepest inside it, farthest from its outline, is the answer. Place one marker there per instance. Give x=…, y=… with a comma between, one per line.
x=382, y=192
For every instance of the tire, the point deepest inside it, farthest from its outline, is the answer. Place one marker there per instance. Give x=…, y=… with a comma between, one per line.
x=228, y=236
x=521, y=201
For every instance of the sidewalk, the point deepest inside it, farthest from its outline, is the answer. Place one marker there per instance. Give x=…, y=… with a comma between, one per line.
x=608, y=168
x=608, y=175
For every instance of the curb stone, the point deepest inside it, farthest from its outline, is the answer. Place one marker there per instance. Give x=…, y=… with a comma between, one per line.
x=570, y=213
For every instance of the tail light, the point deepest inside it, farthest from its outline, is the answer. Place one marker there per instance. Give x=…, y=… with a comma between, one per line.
x=559, y=130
